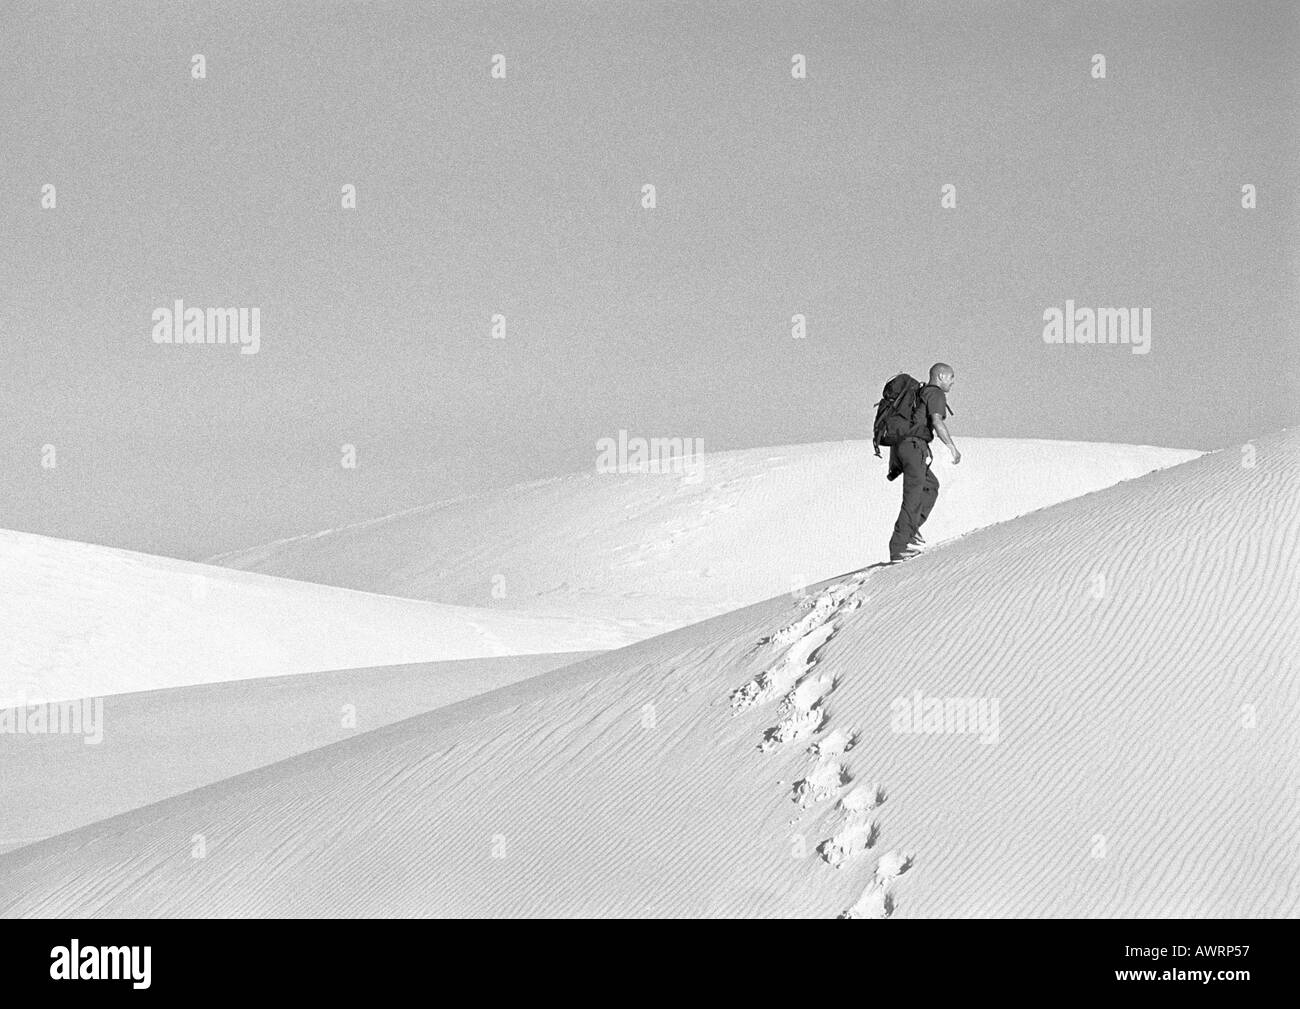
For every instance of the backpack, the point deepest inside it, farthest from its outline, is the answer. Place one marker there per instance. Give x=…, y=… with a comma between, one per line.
x=896, y=412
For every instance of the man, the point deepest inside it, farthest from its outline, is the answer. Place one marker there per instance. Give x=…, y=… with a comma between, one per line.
x=911, y=457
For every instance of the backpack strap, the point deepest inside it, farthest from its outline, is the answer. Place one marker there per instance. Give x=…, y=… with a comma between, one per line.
x=946, y=404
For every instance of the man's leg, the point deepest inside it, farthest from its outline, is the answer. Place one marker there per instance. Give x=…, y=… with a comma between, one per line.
x=912, y=459
x=929, y=495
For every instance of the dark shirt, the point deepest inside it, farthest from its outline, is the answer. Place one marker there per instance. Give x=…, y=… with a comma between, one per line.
x=936, y=405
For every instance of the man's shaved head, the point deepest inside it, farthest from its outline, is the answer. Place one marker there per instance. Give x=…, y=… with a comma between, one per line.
x=940, y=371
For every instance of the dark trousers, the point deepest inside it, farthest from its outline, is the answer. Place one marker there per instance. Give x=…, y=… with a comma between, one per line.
x=920, y=490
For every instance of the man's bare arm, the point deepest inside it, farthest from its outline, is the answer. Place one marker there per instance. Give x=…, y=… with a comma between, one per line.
x=941, y=429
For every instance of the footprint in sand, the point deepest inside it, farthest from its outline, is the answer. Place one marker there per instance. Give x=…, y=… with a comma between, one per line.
x=797, y=725
x=837, y=743
x=768, y=685
x=783, y=676
x=864, y=797
x=892, y=864
x=822, y=608
x=823, y=782
x=859, y=831
x=857, y=835
x=876, y=902
x=804, y=713
x=811, y=690
x=842, y=596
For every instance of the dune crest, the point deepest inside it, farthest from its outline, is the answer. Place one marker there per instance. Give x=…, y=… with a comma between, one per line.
x=81, y=620
x=659, y=551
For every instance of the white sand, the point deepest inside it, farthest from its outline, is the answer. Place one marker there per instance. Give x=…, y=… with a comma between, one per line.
x=1141, y=644
x=78, y=620
x=658, y=551
x=161, y=743
x=579, y=563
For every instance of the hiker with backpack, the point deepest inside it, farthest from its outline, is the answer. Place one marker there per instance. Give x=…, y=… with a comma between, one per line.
x=908, y=417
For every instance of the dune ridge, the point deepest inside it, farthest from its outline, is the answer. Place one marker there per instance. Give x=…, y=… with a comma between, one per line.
x=82, y=620
x=158, y=743
x=662, y=550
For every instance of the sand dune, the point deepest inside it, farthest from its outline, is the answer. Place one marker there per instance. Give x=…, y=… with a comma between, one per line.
x=660, y=551
x=81, y=620
x=579, y=563
x=1127, y=662
x=91, y=621
x=160, y=743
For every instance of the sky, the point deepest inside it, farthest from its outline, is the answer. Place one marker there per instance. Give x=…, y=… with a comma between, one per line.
x=776, y=196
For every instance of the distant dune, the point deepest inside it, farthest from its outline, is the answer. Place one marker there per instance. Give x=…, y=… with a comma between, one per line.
x=659, y=551
x=160, y=743
x=1106, y=693
x=81, y=620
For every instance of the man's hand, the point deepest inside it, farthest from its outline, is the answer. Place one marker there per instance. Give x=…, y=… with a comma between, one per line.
x=941, y=429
